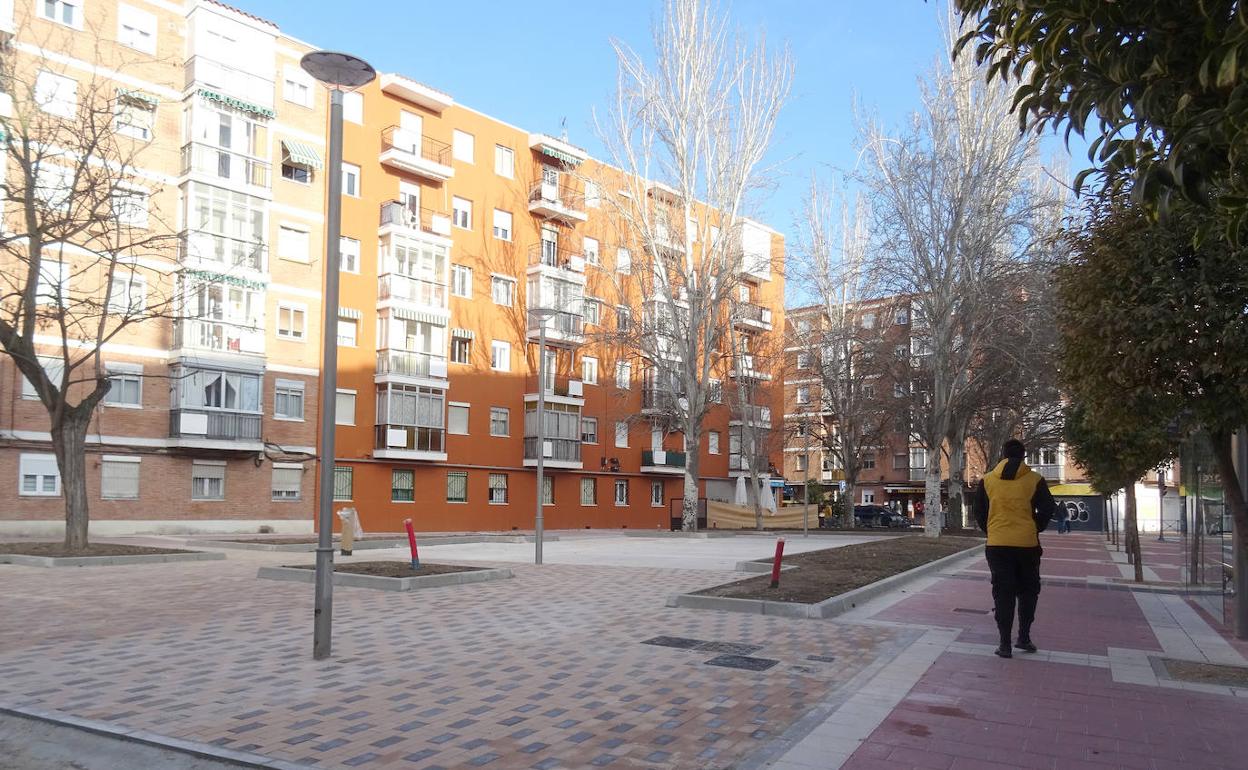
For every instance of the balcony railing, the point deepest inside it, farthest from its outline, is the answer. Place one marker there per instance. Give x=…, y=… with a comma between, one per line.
x=748, y=311
x=225, y=165
x=557, y=385
x=214, y=424
x=546, y=253
x=396, y=286
x=202, y=71
x=562, y=323
x=207, y=334
x=754, y=413
x=737, y=462
x=658, y=399
x=556, y=199
x=664, y=460
x=405, y=140
x=198, y=246
x=410, y=438
x=426, y=220
x=561, y=449
x=408, y=363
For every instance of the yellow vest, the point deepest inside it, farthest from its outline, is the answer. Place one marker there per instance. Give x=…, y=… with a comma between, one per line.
x=1010, y=519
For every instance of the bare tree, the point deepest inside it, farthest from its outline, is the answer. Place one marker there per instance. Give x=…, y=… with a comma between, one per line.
x=750, y=399
x=689, y=131
x=86, y=256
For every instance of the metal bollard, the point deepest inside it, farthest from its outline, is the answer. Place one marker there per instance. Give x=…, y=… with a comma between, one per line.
x=348, y=531
x=775, y=565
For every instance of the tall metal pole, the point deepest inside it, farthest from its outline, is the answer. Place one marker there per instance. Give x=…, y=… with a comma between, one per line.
x=324, y=604
x=806, y=480
x=541, y=435
x=1161, y=505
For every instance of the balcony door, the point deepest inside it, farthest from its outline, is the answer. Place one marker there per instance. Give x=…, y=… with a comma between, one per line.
x=409, y=198
x=412, y=126
x=550, y=246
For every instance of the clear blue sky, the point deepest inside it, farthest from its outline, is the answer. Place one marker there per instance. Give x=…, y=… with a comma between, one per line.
x=534, y=65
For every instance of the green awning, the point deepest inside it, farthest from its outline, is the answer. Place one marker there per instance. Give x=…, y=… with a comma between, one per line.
x=571, y=160
x=302, y=154
x=138, y=97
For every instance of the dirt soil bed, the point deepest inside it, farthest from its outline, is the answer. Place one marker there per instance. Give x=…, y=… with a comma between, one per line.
x=304, y=539
x=823, y=574
x=1207, y=673
x=394, y=569
x=94, y=549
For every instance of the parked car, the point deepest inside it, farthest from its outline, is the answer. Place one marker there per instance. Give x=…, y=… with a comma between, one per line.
x=879, y=516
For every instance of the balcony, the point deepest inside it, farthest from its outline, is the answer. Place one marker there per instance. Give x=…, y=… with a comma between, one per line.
x=662, y=461
x=395, y=215
x=754, y=415
x=560, y=452
x=751, y=316
x=219, y=336
x=411, y=364
x=1049, y=472
x=225, y=167
x=545, y=257
x=746, y=370
x=557, y=201
x=416, y=154
x=409, y=442
x=563, y=329
x=559, y=388
x=416, y=93
x=666, y=241
x=737, y=463
x=221, y=252
x=658, y=401
x=395, y=288
x=203, y=427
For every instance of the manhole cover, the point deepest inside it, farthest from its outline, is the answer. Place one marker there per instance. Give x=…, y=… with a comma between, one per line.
x=743, y=662
x=970, y=610
x=731, y=648
x=679, y=642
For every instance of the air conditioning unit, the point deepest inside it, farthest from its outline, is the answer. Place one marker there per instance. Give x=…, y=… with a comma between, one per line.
x=576, y=388
x=396, y=437
x=437, y=367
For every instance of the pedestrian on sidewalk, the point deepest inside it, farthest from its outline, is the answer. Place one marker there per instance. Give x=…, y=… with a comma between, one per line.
x=1013, y=505
x=1063, y=522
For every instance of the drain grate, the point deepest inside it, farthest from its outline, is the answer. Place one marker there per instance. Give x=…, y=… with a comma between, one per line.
x=679, y=642
x=971, y=610
x=730, y=648
x=743, y=662
x=821, y=658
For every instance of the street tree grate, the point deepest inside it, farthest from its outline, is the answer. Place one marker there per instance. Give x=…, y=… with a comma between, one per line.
x=679, y=642
x=742, y=662
x=730, y=648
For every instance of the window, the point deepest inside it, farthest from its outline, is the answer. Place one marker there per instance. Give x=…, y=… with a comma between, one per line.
x=348, y=255
x=590, y=248
x=135, y=28
x=292, y=243
x=133, y=120
x=500, y=356
x=803, y=327
x=500, y=421
x=457, y=487
x=461, y=350
x=291, y=320
x=548, y=490
x=119, y=477
x=621, y=491
x=67, y=12
x=39, y=475
x=803, y=360
x=589, y=491
x=593, y=311
x=589, y=370
x=900, y=461
x=621, y=434
x=402, y=485
x=55, y=369
x=54, y=186
x=457, y=419
x=593, y=198
x=502, y=225
x=623, y=261
x=589, y=430
x=461, y=281
x=656, y=494
x=351, y=180
x=128, y=294
x=899, y=390
x=344, y=482
x=126, y=385
x=463, y=146
x=801, y=462
x=498, y=489
x=623, y=374
x=902, y=317
x=461, y=212
x=504, y=161
x=623, y=318
x=803, y=394
x=715, y=391
x=296, y=172
x=868, y=496
x=348, y=332
x=344, y=407
x=743, y=292
x=287, y=482
x=867, y=321
x=56, y=94
x=353, y=107
x=712, y=442
x=208, y=480
x=129, y=207
x=901, y=352
x=868, y=391
x=503, y=290
x=288, y=400
x=297, y=86
x=868, y=461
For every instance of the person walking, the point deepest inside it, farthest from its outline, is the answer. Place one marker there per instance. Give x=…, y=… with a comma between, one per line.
x=1013, y=506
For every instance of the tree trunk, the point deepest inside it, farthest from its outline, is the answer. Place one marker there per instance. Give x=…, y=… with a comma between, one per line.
x=851, y=489
x=69, y=443
x=1133, y=535
x=957, y=465
x=1233, y=495
x=931, y=496
x=689, y=498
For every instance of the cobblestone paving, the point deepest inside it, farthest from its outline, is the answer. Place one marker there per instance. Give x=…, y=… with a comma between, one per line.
x=546, y=670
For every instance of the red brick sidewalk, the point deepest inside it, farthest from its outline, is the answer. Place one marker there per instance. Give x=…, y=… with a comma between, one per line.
x=973, y=710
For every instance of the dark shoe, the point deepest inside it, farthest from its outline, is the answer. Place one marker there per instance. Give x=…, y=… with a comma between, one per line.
x=1025, y=645
x=1004, y=651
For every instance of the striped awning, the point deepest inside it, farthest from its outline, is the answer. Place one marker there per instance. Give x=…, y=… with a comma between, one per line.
x=304, y=155
x=465, y=334
x=417, y=315
x=349, y=312
x=558, y=154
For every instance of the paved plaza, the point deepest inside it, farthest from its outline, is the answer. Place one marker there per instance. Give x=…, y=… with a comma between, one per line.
x=551, y=669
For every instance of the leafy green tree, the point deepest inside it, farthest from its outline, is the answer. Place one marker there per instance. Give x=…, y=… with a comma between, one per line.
x=1160, y=86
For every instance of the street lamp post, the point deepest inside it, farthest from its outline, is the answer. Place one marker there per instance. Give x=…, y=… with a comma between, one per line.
x=338, y=72
x=541, y=314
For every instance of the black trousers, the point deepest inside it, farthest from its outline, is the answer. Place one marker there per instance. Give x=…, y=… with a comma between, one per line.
x=1015, y=580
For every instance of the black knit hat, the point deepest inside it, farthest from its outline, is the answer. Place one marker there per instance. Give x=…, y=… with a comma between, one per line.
x=1014, y=450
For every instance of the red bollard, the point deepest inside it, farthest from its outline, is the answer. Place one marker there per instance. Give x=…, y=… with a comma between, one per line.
x=411, y=541
x=775, y=564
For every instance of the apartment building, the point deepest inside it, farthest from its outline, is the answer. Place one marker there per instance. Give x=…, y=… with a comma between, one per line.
x=458, y=228
x=227, y=133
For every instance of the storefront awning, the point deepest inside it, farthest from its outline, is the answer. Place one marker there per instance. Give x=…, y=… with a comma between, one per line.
x=302, y=154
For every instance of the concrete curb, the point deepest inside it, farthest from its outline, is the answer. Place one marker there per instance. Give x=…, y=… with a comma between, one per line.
x=368, y=545
x=192, y=748
x=699, y=535
x=760, y=567
x=827, y=608
x=106, y=561
x=378, y=583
